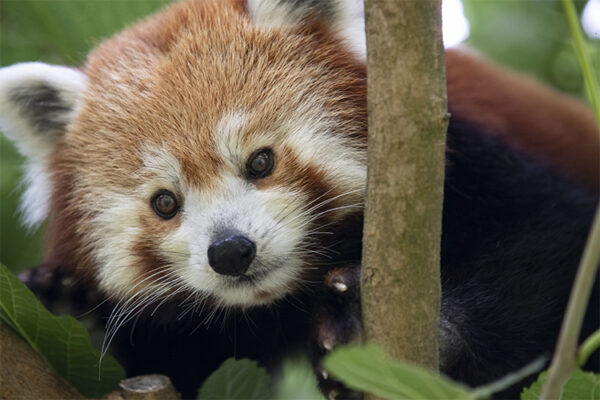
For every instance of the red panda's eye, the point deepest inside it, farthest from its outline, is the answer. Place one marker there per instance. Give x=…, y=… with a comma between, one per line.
x=260, y=163
x=164, y=204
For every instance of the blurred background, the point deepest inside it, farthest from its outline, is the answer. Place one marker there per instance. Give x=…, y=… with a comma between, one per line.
x=531, y=36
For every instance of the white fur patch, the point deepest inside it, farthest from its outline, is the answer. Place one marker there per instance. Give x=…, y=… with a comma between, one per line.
x=271, y=218
x=346, y=18
x=116, y=229
x=313, y=139
x=227, y=134
x=164, y=169
x=34, y=145
x=315, y=142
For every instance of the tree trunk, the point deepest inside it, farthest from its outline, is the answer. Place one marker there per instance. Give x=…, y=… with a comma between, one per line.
x=407, y=126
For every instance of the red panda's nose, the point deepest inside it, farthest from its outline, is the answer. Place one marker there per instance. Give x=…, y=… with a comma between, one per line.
x=231, y=255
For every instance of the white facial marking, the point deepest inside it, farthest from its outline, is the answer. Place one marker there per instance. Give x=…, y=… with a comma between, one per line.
x=164, y=170
x=270, y=218
x=227, y=135
x=316, y=143
x=116, y=230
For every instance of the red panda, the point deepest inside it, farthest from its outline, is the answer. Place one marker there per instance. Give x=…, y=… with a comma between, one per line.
x=205, y=169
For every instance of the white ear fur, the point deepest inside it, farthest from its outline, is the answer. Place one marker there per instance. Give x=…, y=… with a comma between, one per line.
x=346, y=17
x=37, y=101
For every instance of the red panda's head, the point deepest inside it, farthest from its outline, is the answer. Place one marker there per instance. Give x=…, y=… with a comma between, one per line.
x=205, y=150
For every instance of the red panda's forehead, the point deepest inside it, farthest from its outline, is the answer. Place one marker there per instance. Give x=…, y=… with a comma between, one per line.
x=171, y=81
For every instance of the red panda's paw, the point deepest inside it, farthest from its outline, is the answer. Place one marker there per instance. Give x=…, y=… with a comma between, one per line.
x=44, y=282
x=337, y=320
x=61, y=293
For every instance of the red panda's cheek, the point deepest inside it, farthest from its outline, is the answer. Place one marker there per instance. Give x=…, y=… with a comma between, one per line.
x=123, y=240
x=316, y=183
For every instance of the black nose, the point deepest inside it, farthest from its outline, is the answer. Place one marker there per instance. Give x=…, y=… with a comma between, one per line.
x=232, y=255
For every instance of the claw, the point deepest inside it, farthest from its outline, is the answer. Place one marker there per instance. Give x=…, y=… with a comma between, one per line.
x=327, y=345
x=333, y=394
x=324, y=374
x=340, y=286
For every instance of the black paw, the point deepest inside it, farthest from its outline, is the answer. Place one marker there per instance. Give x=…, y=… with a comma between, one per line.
x=44, y=282
x=58, y=292
x=337, y=320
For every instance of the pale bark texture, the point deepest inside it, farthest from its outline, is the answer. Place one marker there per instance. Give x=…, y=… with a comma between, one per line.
x=25, y=375
x=407, y=128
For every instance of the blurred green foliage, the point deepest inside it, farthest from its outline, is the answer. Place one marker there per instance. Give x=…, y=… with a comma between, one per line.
x=530, y=36
x=527, y=35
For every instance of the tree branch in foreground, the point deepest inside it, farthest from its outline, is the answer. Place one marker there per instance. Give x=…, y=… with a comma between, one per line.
x=400, y=286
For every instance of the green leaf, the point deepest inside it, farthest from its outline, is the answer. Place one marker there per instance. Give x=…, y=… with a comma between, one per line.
x=581, y=385
x=62, y=341
x=237, y=379
x=296, y=380
x=369, y=370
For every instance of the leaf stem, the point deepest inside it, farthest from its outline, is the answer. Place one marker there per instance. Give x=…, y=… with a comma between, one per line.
x=590, y=345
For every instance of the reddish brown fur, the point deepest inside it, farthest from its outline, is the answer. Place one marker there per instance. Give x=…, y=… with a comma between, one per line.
x=147, y=245
x=168, y=80
x=533, y=116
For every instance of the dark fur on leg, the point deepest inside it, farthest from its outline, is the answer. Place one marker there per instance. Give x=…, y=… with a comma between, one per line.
x=336, y=320
x=513, y=233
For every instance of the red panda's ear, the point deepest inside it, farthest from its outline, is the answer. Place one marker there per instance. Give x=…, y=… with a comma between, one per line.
x=344, y=17
x=37, y=101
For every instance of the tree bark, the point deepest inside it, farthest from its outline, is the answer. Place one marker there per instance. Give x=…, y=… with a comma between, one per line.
x=407, y=125
x=25, y=375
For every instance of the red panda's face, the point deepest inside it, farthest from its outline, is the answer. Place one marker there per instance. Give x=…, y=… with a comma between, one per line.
x=209, y=153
